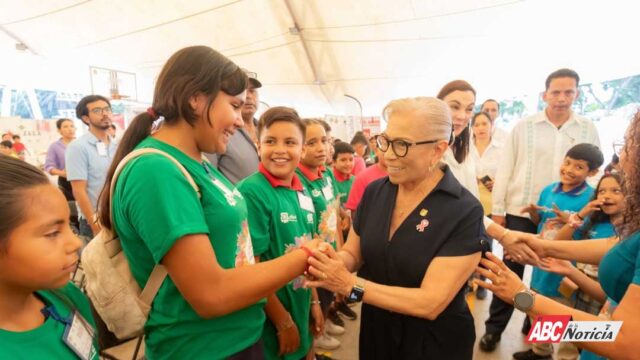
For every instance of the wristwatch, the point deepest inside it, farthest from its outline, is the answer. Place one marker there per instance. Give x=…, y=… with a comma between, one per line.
x=357, y=291
x=524, y=300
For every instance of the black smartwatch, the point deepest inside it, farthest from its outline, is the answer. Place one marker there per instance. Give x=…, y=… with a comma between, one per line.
x=357, y=291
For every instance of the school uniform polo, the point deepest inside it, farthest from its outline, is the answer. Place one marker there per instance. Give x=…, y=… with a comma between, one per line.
x=45, y=341
x=343, y=185
x=321, y=186
x=574, y=200
x=281, y=217
x=447, y=222
x=153, y=207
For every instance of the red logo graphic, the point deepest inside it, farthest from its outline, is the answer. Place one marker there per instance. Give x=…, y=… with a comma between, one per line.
x=423, y=225
x=548, y=329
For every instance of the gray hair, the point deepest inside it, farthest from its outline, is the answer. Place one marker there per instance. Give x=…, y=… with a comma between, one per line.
x=434, y=111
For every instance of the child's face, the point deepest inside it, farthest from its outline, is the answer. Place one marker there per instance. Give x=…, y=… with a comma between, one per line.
x=42, y=252
x=574, y=172
x=611, y=195
x=281, y=149
x=5, y=150
x=344, y=163
x=315, y=146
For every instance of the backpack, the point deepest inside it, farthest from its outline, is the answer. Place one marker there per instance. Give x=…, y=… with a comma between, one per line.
x=113, y=291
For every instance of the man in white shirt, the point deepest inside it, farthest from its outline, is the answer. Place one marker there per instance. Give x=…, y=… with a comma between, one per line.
x=532, y=156
x=492, y=108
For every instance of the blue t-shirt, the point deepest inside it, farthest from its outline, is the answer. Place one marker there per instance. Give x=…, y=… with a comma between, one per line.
x=620, y=267
x=544, y=282
x=599, y=230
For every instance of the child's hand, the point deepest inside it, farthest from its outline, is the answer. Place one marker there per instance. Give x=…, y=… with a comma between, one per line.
x=530, y=209
x=561, y=216
x=561, y=267
x=590, y=208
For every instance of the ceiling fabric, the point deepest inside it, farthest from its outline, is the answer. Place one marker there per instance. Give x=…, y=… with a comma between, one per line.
x=310, y=53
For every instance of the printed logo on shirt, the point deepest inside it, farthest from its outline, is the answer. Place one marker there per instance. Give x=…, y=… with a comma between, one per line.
x=287, y=218
x=309, y=218
x=316, y=193
x=244, y=247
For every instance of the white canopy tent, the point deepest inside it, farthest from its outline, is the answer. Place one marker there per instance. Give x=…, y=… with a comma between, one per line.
x=310, y=53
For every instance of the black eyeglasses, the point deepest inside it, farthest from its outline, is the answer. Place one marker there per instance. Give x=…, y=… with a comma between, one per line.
x=398, y=146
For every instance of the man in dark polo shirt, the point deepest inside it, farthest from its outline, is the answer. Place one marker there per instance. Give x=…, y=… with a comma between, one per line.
x=241, y=158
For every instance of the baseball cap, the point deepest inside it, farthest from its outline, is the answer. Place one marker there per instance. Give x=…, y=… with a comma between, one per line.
x=253, y=78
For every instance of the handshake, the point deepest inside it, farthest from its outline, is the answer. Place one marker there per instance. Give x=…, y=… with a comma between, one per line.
x=523, y=247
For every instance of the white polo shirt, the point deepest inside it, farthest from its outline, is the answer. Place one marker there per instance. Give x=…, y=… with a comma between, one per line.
x=487, y=163
x=532, y=157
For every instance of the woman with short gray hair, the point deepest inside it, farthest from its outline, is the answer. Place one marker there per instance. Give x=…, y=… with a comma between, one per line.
x=414, y=241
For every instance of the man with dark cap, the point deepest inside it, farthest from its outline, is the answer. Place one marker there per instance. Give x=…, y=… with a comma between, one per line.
x=241, y=158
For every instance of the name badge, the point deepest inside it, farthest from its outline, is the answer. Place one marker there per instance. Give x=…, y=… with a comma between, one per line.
x=102, y=148
x=305, y=202
x=78, y=336
x=328, y=192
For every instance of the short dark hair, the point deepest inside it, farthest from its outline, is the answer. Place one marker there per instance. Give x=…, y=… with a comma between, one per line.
x=342, y=148
x=281, y=113
x=16, y=137
x=82, y=108
x=562, y=73
x=59, y=122
x=6, y=143
x=587, y=152
x=490, y=100
x=359, y=138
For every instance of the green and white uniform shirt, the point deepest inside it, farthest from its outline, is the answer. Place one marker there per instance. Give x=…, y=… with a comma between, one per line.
x=281, y=218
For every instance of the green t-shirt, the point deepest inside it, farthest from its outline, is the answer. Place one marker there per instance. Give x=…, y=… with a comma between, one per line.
x=153, y=207
x=343, y=188
x=278, y=223
x=45, y=341
x=326, y=204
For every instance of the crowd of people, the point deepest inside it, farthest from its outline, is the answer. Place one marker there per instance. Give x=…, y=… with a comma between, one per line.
x=268, y=230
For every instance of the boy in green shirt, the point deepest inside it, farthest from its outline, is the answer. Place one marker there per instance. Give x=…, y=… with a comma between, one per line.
x=281, y=218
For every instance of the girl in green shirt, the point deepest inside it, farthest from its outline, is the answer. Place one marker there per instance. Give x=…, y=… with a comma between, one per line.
x=38, y=253
x=210, y=306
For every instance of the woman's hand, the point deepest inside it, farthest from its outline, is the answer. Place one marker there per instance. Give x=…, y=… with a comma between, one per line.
x=329, y=271
x=488, y=185
x=505, y=284
x=317, y=320
x=288, y=338
x=560, y=267
x=516, y=246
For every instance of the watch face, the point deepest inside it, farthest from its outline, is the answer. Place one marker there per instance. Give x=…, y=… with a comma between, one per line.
x=523, y=301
